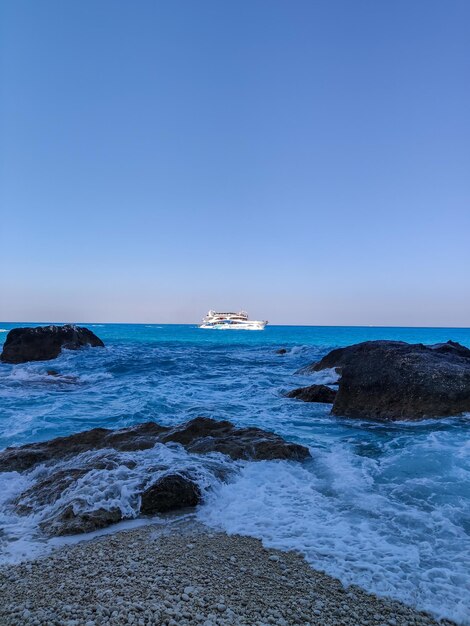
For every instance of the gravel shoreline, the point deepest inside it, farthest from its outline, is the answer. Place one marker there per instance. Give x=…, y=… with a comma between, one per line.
x=182, y=575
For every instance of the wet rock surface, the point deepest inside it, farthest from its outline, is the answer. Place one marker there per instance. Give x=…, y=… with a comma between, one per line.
x=313, y=393
x=67, y=521
x=201, y=435
x=394, y=380
x=44, y=343
x=169, y=493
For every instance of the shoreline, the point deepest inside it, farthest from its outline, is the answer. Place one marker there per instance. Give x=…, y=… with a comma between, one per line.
x=185, y=573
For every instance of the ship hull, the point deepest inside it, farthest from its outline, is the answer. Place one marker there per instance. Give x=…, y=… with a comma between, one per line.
x=239, y=326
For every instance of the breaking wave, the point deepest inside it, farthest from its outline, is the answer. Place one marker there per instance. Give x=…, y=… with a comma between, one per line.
x=107, y=480
x=359, y=519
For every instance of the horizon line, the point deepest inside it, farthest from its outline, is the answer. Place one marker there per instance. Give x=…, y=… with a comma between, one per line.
x=49, y=322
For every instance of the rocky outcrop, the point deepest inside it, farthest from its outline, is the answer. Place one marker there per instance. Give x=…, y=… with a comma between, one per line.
x=394, y=380
x=44, y=343
x=201, y=435
x=67, y=467
x=169, y=493
x=313, y=393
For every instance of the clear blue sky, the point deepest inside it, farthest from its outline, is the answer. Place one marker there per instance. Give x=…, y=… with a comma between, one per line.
x=308, y=161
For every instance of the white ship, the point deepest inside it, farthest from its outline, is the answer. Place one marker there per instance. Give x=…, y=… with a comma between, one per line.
x=230, y=321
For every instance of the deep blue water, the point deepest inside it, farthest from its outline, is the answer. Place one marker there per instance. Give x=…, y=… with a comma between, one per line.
x=385, y=506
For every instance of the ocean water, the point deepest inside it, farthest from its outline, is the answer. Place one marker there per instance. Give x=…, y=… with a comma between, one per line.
x=384, y=506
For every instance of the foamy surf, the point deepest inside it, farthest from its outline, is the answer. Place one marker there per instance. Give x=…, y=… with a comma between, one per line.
x=344, y=516
x=113, y=480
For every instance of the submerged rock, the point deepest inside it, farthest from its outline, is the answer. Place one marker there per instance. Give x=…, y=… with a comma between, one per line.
x=48, y=490
x=44, y=343
x=394, y=380
x=169, y=493
x=54, y=377
x=201, y=435
x=281, y=351
x=313, y=393
x=69, y=522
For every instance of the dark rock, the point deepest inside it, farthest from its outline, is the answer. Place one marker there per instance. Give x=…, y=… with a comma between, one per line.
x=281, y=351
x=394, y=380
x=314, y=393
x=451, y=347
x=44, y=343
x=140, y=437
x=169, y=493
x=201, y=435
x=67, y=522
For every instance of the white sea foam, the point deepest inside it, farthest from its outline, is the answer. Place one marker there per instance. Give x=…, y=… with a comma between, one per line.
x=15, y=536
x=325, y=377
x=336, y=513
x=33, y=373
x=116, y=485
x=94, y=377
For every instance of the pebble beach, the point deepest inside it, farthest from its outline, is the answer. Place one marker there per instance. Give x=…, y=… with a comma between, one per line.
x=185, y=574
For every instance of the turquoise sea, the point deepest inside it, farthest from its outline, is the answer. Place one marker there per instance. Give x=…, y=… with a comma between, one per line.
x=384, y=506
